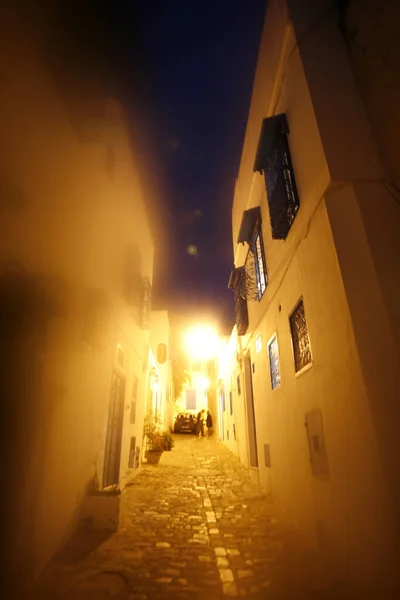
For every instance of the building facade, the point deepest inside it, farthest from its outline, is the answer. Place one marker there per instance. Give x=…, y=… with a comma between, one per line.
x=76, y=255
x=309, y=390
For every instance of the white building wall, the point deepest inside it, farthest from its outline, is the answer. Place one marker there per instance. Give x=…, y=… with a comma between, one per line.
x=73, y=227
x=303, y=72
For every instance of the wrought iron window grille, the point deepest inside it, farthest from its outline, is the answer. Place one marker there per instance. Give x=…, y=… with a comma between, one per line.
x=237, y=282
x=274, y=161
x=255, y=267
x=260, y=270
x=274, y=367
x=300, y=338
x=254, y=283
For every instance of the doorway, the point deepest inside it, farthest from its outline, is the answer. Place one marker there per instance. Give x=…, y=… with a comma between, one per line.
x=222, y=411
x=112, y=455
x=251, y=422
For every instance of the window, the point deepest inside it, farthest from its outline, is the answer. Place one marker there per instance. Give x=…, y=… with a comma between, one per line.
x=191, y=399
x=274, y=368
x=300, y=339
x=230, y=403
x=237, y=282
x=274, y=161
x=259, y=260
x=255, y=266
x=254, y=279
x=223, y=400
x=239, y=387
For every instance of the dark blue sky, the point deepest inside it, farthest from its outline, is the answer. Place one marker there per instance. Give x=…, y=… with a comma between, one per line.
x=200, y=58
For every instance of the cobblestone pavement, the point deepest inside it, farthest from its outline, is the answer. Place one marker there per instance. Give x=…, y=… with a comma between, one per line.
x=194, y=527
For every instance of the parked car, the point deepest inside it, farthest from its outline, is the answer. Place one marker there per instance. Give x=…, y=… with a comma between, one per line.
x=185, y=422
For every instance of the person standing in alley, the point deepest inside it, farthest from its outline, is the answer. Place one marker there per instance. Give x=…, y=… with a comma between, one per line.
x=209, y=423
x=200, y=423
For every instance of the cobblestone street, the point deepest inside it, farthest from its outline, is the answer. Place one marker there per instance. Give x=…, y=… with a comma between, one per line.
x=193, y=527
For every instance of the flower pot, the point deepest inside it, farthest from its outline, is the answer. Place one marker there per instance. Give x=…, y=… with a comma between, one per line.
x=153, y=457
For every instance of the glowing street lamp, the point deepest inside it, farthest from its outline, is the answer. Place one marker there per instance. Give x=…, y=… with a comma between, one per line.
x=202, y=342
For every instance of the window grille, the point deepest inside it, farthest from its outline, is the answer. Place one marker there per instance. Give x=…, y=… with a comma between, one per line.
x=261, y=272
x=300, y=339
x=255, y=281
x=251, y=289
x=274, y=161
x=237, y=282
x=274, y=367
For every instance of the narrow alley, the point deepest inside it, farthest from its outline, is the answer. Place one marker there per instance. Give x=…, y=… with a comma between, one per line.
x=193, y=527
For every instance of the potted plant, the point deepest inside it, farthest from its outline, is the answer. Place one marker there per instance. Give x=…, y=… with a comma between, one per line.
x=168, y=442
x=154, y=438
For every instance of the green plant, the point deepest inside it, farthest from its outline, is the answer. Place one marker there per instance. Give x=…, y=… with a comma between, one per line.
x=168, y=442
x=152, y=431
x=155, y=443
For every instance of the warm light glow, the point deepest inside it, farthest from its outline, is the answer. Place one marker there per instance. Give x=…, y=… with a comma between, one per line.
x=226, y=355
x=200, y=381
x=202, y=342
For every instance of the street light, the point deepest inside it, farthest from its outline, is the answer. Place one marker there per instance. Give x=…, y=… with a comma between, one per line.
x=202, y=342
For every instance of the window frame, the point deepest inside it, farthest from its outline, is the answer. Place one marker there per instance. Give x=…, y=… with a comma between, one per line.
x=309, y=364
x=273, y=160
x=259, y=257
x=192, y=399
x=273, y=337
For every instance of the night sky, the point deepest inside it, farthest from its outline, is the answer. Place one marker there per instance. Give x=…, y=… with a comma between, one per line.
x=201, y=59
x=184, y=70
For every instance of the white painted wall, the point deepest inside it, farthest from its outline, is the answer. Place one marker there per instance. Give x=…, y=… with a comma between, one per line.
x=74, y=226
x=339, y=261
